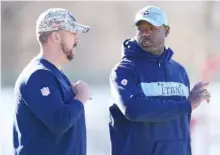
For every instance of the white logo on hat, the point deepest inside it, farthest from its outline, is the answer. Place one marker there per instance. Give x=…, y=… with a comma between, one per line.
x=124, y=82
x=45, y=91
x=152, y=14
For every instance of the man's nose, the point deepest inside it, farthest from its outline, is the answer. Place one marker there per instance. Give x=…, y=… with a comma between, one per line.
x=147, y=34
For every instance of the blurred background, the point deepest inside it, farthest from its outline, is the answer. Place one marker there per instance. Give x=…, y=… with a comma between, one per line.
x=194, y=36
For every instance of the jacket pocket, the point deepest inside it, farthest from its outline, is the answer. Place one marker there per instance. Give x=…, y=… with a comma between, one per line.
x=172, y=148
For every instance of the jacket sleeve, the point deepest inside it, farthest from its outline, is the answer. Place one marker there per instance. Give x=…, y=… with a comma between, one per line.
x=135, y=105
x=42, y=96
x=188, y=85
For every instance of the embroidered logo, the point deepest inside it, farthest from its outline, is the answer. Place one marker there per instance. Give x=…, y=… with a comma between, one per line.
x=45, y=91
x=124, y=82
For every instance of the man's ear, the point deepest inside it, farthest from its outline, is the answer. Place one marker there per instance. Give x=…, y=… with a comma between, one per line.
x=167, y=29
x=55, y=37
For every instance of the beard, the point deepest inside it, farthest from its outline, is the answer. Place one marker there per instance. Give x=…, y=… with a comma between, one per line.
x=150, y=46
x=67, y=52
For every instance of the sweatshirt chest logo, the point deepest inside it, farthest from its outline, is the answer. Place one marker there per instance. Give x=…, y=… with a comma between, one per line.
x=165, y=89
x=124, y=82
x=45, y=91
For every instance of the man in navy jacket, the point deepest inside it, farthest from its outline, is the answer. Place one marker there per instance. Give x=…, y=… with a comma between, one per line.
x=49, y=117
x=152, y=104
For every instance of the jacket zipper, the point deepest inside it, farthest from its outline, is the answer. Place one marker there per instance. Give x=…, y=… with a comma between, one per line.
x=166, y=70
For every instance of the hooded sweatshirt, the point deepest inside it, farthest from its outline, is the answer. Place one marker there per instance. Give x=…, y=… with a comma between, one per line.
x=150, y=113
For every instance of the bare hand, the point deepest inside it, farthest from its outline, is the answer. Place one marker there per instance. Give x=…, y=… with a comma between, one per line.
x=82, y=91
x=199, y=94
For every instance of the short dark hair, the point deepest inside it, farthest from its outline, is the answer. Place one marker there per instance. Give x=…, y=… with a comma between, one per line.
x=43, y=37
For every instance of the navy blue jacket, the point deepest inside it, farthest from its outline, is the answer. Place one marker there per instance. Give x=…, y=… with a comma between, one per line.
x=150, y=114
x=48, y=121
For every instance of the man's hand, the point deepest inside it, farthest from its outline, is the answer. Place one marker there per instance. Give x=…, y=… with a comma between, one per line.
x=82, y=91
x=199, y=94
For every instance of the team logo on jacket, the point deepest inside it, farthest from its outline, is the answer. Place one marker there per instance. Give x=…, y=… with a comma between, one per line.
x=45, y=91
x=124, y=82
x=164, y=89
